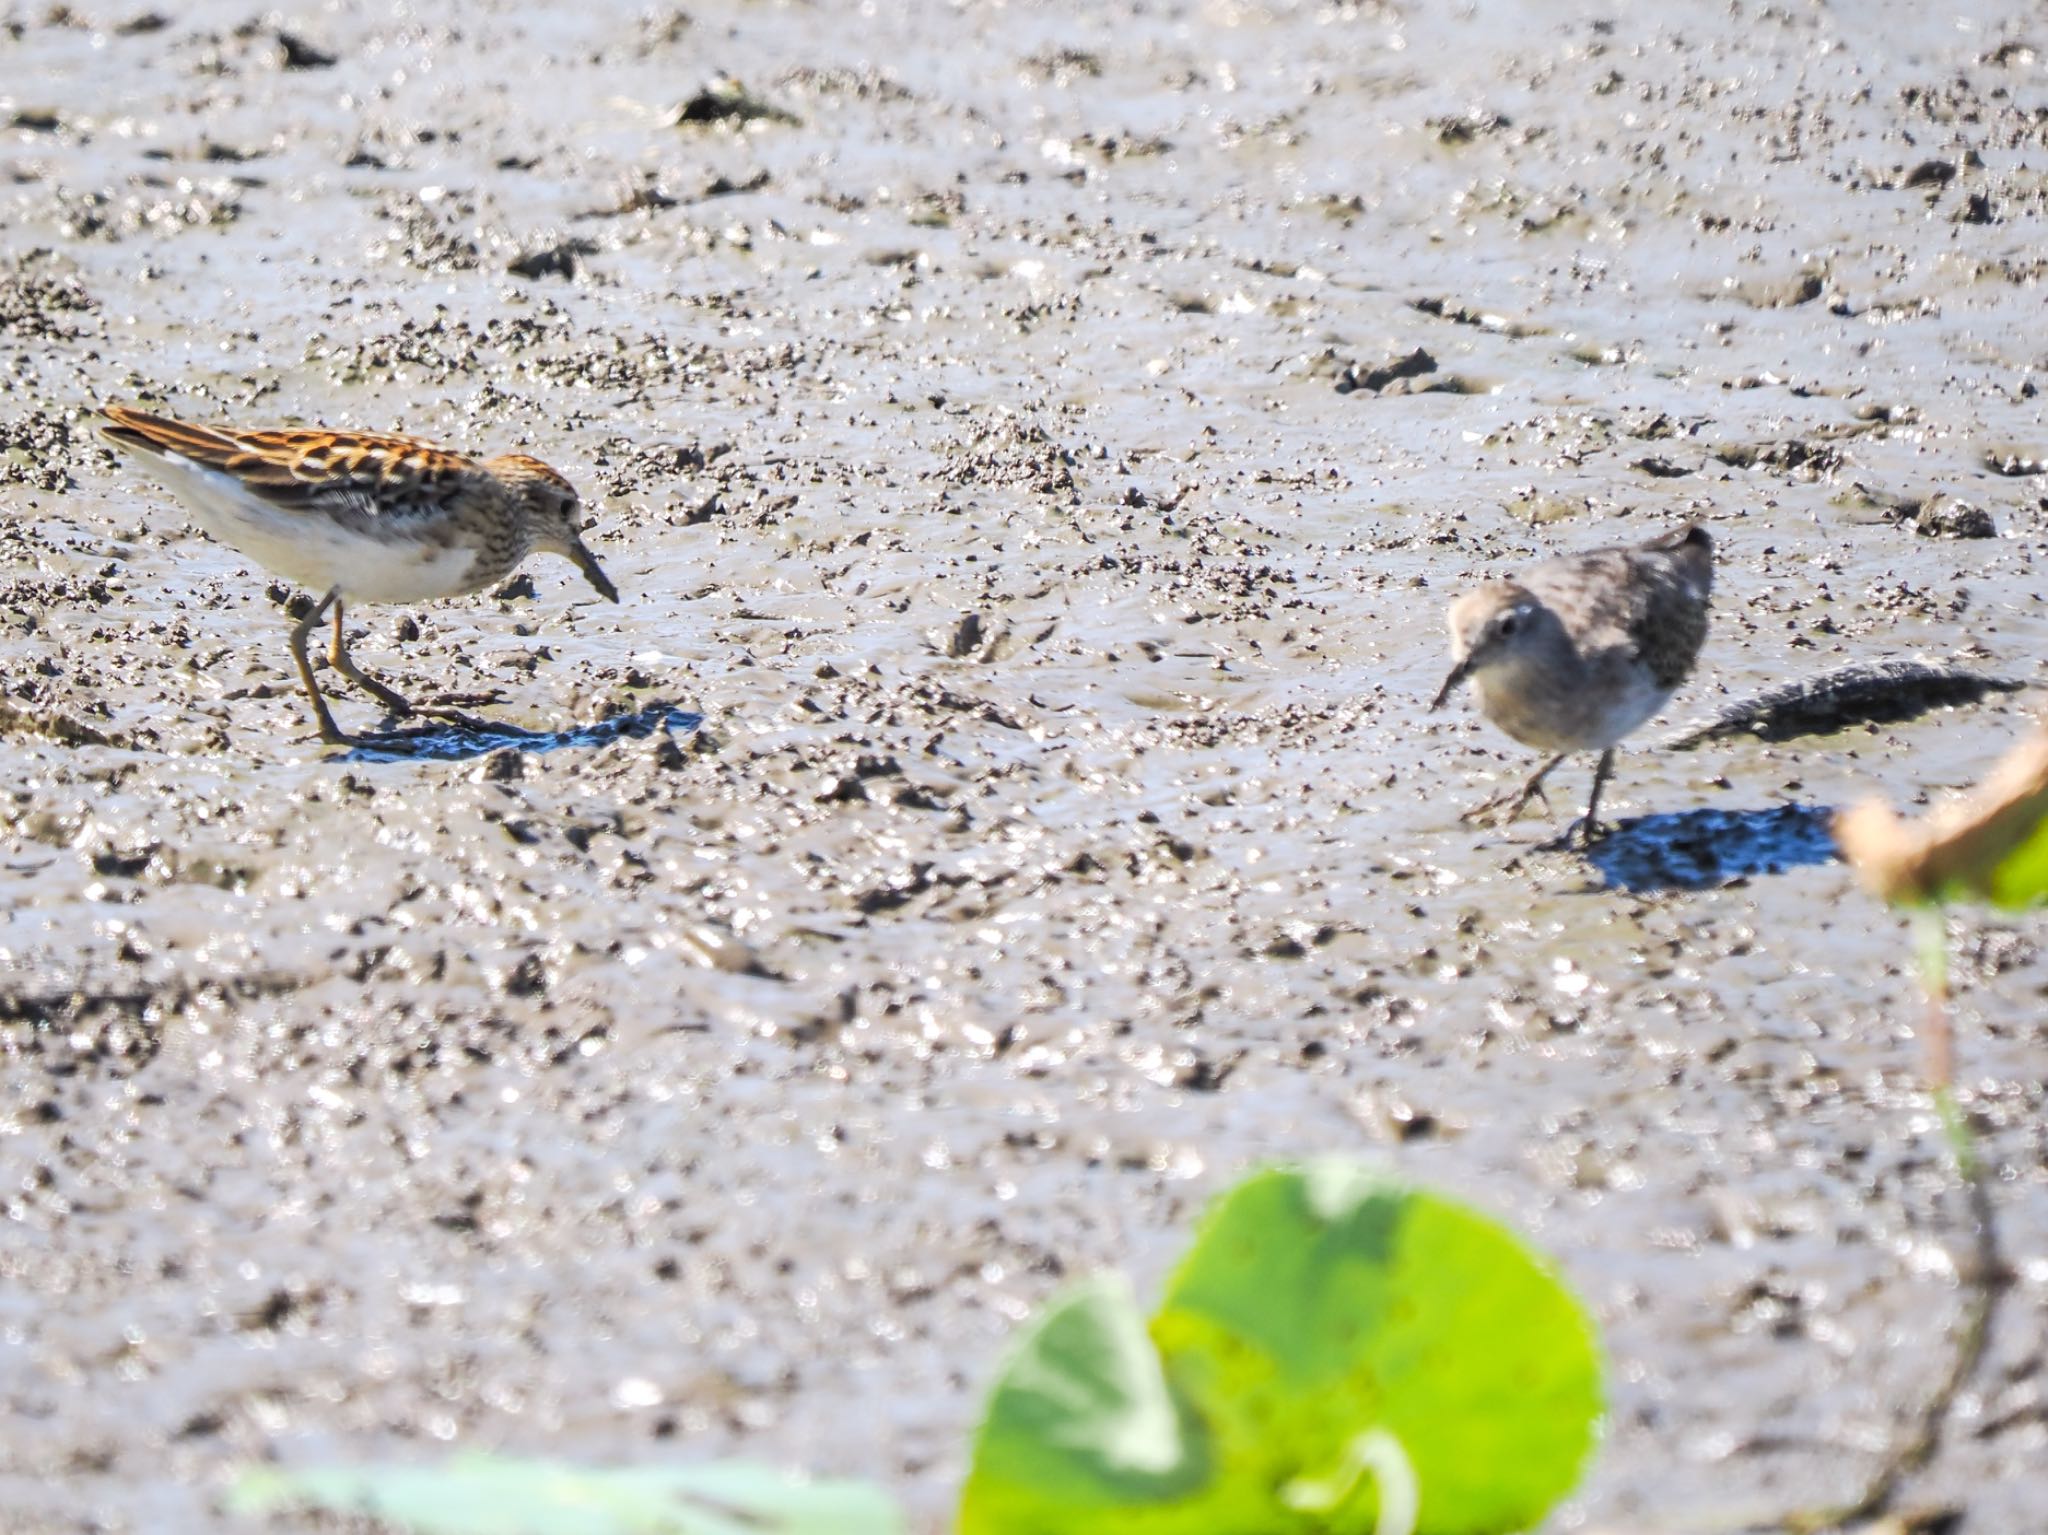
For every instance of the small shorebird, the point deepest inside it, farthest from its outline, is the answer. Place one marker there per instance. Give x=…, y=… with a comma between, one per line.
x=361, y=518
x=1576, y=652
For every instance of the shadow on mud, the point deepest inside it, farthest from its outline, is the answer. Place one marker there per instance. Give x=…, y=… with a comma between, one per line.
x=470, y=737
x=1699, y=849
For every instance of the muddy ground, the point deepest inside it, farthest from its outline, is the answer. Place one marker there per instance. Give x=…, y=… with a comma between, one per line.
x=1006, y=425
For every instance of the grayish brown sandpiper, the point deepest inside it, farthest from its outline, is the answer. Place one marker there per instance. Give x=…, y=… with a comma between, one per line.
x=361, y=518
x=1577, y=651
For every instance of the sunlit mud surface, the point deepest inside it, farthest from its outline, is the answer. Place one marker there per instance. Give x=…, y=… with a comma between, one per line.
x=1039, y=442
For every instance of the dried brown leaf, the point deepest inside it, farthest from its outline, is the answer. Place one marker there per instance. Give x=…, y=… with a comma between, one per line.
x=1958, y=849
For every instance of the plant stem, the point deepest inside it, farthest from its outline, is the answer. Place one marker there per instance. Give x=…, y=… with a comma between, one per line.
x=1983, y=1274
x=1930, y=941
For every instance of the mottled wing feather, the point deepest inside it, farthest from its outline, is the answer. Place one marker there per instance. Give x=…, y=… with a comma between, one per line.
x=1646, y=603
x=301, y=468
x=1671, y=645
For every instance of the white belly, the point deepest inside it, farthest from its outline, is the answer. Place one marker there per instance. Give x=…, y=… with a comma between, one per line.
x=1555, y=717
x=313, y=550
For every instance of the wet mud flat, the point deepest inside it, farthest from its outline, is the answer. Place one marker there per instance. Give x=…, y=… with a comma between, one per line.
x=1035, y=447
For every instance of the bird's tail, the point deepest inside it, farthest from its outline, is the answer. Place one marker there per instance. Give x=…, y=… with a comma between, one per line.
x=1690, y=537
x=1690, y=550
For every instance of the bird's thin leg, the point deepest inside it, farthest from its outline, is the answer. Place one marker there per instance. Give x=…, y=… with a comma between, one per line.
x=339, y=658
x=391, y=698
x=1516, y=800
x=301, y=631
x=1586, y=829
x=1600, y=774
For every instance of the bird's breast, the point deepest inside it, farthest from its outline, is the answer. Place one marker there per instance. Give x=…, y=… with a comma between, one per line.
x=1587, y=710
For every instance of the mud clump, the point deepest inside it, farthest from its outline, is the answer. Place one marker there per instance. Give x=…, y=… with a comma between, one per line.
x=1375, y=379
x=1949, y=516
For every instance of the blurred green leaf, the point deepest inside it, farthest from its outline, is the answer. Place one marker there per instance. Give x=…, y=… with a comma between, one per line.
x=2020, y=878
x=1083, y=1431
x=1330, y=1343
x=479, y=1495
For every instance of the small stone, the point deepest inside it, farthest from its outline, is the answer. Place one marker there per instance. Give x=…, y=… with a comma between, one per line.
x=300, y=54
x=563, y=258
x=529, y=978
x=842, y=789
x=965, y=637
x=1930, y=173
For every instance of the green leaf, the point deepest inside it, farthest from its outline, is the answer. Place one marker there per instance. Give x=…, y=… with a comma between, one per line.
x=1319, y=1302
x=2020, y=879
x=1082, y=1420
x=1330, y=1345
x=478, y=1495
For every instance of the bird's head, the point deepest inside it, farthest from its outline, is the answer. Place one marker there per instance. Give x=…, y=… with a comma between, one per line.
x=1496, y=631
x=554, y=515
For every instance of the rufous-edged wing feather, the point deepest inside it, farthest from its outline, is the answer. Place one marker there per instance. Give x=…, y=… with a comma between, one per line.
x=295, y=466
x=132, y=428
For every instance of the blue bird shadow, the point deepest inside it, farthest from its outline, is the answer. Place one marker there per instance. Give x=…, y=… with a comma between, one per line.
x=1699, y=849
x=452, y=742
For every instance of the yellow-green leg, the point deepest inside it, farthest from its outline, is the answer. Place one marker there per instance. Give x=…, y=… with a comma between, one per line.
x=339, y=658
x=330, y=732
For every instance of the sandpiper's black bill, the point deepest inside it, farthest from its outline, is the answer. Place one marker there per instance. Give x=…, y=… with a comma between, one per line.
x=586, y=562
x=1458, y=674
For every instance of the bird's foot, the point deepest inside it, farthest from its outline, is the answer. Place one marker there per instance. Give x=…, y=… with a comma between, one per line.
x=1505, y=808
x=330, y=734
x=447, y=716
x=398, y=741
x=445, y=710
x=396, y=704
x=1578, y=836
